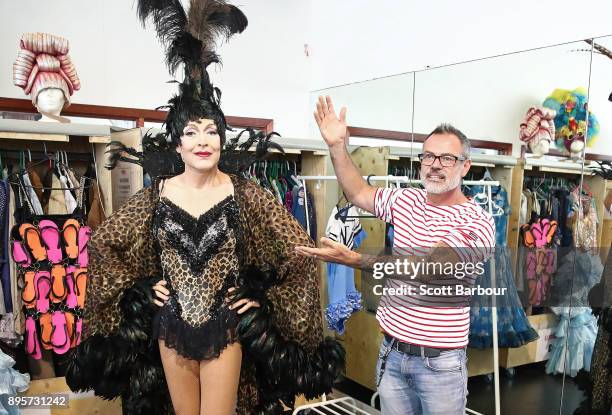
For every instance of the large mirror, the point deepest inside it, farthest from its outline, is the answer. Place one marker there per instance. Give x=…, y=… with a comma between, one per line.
x=525, y=115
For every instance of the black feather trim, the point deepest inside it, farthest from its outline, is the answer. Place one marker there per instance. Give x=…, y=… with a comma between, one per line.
x=159, y=156
x=284, y=368
x=236, y=157
x=126, y=364
x=116, y=152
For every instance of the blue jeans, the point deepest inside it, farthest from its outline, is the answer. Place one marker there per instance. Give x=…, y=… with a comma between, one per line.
x=415, y=385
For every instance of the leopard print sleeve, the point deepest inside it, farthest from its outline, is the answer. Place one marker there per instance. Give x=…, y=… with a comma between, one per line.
x=274, y=235
x=121, y=250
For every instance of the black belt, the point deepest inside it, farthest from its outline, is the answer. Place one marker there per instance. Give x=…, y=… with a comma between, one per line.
x=413, y=349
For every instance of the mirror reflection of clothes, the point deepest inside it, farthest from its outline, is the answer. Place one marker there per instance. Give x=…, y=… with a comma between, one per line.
x=513, y=326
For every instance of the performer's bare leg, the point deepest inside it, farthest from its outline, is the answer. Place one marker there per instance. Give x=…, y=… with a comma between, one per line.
x=219, y=380
x=183, y=378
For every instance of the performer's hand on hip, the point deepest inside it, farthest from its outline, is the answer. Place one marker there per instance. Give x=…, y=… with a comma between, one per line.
x=333, y=128
x=244, y=304
x=331, y=251
x=161, y=292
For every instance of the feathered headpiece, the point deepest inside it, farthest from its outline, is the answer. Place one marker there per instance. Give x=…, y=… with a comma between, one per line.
x=189, y=40
x=571, y=120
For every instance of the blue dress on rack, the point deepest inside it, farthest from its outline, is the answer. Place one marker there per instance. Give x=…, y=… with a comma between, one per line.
x=513, y=327
x=344, y=299
x=574, y=340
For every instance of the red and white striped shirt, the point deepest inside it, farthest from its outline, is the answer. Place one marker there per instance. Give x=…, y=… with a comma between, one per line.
x=418, y=226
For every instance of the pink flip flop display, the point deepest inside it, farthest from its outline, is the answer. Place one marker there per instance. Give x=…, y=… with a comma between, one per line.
x=52, y=261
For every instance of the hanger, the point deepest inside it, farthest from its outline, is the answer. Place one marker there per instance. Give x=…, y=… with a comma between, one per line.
x=56, y=159
x=342, y=213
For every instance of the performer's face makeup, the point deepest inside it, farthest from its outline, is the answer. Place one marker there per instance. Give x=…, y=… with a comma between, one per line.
x=200, y=146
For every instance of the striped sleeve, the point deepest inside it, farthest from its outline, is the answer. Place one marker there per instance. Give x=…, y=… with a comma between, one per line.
x=384, y=200
x=473, y=241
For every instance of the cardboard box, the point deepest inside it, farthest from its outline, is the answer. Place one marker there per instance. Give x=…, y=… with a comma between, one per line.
x=536, y=351
x=480, y=362
x=127, y=178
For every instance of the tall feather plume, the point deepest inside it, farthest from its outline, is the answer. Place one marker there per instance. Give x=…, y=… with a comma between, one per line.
x=190, y=39
x=210, y=20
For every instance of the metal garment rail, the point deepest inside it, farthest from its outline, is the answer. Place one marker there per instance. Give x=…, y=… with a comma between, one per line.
x=340, y=406
x=405, y=179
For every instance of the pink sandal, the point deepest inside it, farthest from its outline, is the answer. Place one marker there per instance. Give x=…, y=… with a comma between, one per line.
x=59, y=335
x=84, y=234
x=80, y=278
x=76, y=339
x=531, y=260
x=539, y=235
x=31, y=335
x=71, y=297
x=50, y=235
x=20, y=254
x=42, y=282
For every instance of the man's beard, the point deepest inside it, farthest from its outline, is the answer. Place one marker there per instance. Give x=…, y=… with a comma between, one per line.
x=449, y=183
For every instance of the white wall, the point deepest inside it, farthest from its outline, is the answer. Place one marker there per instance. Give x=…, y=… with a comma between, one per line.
x=354, y=40
x=486, y=99
x=265, y=72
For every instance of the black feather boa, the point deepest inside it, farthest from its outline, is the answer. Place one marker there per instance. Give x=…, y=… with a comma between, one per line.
x=127, y=363
x=284, y=368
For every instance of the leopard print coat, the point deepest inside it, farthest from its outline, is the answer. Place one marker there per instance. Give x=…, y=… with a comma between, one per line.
x=122, y=251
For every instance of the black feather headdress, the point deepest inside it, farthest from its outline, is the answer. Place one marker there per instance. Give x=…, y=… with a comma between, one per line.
x=189, y=40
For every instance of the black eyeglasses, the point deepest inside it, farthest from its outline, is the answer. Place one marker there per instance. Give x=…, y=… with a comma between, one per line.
x=446, y=160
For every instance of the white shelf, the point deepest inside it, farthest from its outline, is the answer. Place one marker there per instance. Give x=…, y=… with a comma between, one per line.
x=560, y=166
x=50, y=131
x=12, y=135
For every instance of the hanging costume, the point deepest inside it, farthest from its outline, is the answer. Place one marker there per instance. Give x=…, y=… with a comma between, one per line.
x=597, y=384
x=246, y=240
x=513, y=327
x=579, y=271
x=199, y=258
x=343, y=297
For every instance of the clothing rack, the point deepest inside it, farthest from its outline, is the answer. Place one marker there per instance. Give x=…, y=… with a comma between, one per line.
x=41, y=155
x=345, y=405
x=485, y=183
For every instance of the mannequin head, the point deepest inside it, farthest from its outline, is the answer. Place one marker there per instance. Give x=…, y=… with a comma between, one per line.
x=45, y=71
x=51, y=101
x=538, y=130
x=576, y=147
x=540, y=147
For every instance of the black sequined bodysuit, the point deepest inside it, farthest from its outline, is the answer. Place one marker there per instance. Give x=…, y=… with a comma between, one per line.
x=199, y=259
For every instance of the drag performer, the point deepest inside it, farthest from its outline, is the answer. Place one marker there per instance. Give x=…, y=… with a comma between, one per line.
x=197, y=301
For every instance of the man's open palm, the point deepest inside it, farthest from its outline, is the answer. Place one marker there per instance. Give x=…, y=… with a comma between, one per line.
x=333, y=128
